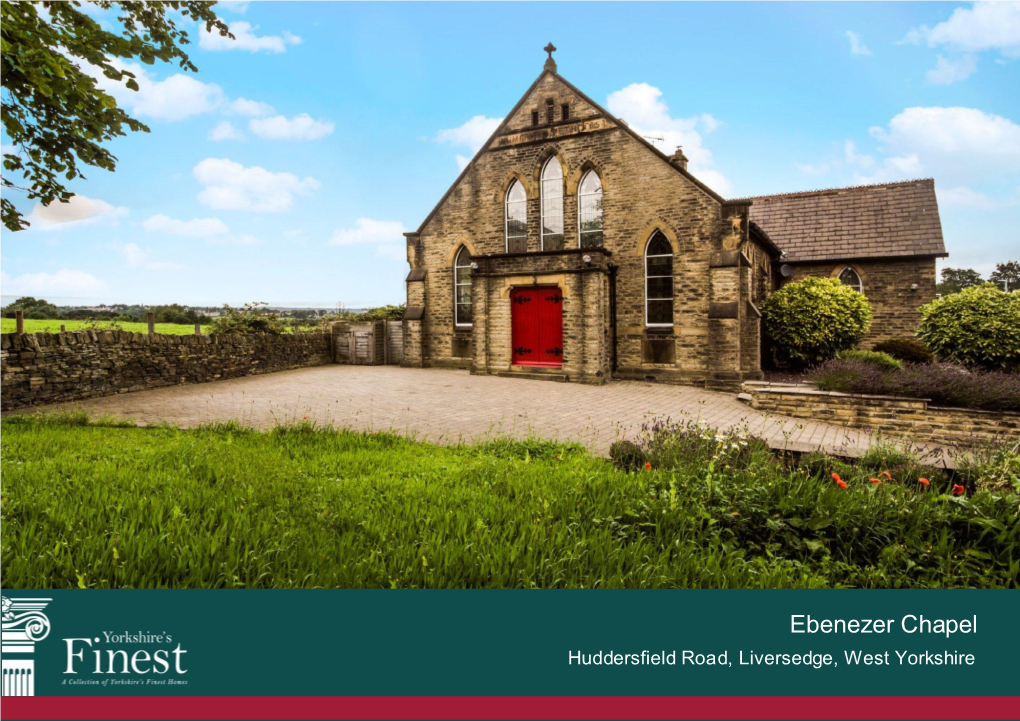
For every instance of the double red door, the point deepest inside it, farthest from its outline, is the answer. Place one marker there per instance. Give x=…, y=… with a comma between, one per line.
x=536, y=316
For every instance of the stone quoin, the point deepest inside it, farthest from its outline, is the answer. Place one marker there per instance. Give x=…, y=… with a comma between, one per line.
x=571, y=248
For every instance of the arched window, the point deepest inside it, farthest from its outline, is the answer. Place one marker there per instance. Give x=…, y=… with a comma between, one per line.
x=552, y=205
x=589, y=211
x=516, y=218
x=849, y=276
x=462, y=288
x=659, y=282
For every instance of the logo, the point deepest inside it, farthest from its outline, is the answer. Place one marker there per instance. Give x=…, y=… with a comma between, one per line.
x=24, y=625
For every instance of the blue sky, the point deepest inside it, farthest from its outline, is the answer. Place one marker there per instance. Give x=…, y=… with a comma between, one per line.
x=287, y=168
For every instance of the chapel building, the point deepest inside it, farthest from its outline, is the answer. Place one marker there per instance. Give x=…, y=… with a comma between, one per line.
x=571, y=248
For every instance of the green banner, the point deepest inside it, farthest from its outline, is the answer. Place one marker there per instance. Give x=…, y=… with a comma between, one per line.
x=511, y=643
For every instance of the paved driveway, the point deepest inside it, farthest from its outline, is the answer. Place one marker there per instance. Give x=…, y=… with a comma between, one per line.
x=447, y=406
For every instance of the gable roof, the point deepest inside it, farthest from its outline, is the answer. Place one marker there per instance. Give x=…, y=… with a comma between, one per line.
x=602, y=111
x=866, y=221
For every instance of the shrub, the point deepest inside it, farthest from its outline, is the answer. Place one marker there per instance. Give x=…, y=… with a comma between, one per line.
x=627, y=455
x=943, y=383
x=875, y=358
x=252, y=318
x=977, y=326
x=811, y=320
x=906, y=349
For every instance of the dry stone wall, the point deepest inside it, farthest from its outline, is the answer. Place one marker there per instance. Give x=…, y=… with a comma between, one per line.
x=41, y=368
x=911, y=418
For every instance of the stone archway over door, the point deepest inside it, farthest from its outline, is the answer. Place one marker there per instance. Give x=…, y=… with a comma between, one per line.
x=536, y=316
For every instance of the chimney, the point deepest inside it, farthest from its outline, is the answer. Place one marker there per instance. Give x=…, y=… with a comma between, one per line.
x=679, y=159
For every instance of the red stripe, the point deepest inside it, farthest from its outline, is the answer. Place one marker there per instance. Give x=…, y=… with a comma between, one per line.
x=512, y=707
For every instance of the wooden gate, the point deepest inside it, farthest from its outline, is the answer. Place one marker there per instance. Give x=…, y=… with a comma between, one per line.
x=376, y=343
x=536, y=316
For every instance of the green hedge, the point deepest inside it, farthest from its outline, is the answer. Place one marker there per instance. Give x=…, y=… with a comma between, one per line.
x=977, y=326
x=811, y=320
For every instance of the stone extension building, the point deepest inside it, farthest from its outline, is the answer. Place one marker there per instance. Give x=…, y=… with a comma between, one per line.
x=571, y=248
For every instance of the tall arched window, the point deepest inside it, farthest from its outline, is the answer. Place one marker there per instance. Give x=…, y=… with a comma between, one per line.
x=516, y=218
x=552, y=205
x=589, y=211
x=849, y=276
x=658, y=282
x=462, y=288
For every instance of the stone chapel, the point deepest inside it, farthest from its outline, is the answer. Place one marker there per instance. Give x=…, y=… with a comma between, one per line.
x=571, y=248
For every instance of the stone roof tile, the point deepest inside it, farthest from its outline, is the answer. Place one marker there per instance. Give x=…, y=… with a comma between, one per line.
x=890, y=219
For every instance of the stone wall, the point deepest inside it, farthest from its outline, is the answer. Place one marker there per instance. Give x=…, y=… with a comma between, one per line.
x=888, y=285
x=911, y=418
x=40, y=368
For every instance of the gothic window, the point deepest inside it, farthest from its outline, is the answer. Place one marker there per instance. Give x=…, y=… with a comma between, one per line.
x=549, y=110
x=552, y=205
x=462, y=288
x=658, y=282
x=565, y=111
x=516, y=218
x=589, y=211
x=849, y=276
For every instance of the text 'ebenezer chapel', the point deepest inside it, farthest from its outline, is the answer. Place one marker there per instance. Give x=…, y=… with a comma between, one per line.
x=570, y=247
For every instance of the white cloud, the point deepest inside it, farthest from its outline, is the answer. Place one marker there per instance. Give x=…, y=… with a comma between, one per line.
x=246, y=39
x=212, y=230
x=857, y=46
x=964, y=197
x=958, y=143
x=62, y=283
x=386, y=235
x=300, y=127
x=225, y=131
x=138, y=257
x=471, y=135
x=983, y=26
x=948, y=71
x=175, y=98
x=641, y=106
x=251, y=108
x=79, y=210
x=232, y=186
x=197, y=228
x=235, y=6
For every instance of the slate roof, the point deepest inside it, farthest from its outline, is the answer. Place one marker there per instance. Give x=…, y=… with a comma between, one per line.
x=867, y=221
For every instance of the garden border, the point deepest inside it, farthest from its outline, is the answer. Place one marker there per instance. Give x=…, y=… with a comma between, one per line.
x=912, y=418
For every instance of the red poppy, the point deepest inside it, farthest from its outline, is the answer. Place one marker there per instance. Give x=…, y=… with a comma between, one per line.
x=886, y=474
x=306, y=418
x=648, y=466
x=875, y=481
x=841, y=484
x=958, y=490
x=924, y=481
x=836, y=478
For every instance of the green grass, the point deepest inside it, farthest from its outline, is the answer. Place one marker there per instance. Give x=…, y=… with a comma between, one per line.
x=8, y=325
x=107, y=506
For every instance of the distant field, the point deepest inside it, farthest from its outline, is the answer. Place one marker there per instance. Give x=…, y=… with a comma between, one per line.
x=7, y=325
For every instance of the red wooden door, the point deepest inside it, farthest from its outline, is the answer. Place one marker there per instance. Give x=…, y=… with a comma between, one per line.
x=536, y=316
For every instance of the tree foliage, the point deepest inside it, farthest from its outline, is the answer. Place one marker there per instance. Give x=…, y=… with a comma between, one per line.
x=956, y=279
x=977, y=326
x=810, y=320
x=54, y=112
x=252, y=318
x=1006, y=276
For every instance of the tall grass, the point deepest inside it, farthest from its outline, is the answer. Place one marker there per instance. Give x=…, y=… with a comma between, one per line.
x=98, y=505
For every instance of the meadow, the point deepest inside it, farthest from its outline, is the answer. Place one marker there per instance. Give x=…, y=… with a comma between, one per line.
x=8, y=325
x=94, y=504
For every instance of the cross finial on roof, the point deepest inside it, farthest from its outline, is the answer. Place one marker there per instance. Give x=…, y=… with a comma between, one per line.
x=550, y=64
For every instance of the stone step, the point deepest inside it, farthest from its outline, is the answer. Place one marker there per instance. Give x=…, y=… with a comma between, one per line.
x=535, y=375
x=745, y=397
